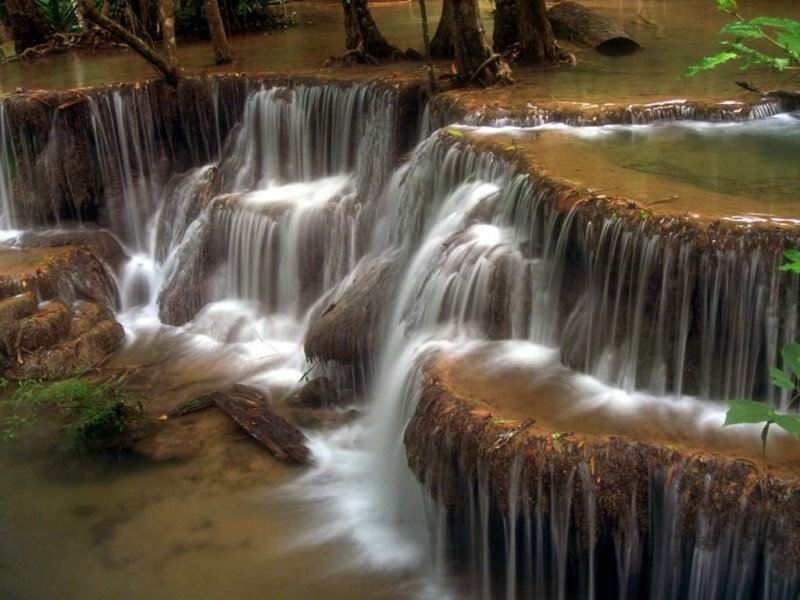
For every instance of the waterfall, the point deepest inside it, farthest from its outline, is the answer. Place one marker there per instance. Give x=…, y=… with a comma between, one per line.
x=243, y=240
x=7, y=164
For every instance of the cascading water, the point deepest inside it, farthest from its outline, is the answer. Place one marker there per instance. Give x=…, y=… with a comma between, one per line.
x=278, y=216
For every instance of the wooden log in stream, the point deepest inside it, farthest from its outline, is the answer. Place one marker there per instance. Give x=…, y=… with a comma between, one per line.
x=586, y=26
x=250, y=410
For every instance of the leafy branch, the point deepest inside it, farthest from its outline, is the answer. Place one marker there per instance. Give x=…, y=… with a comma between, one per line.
x=751, y=412
x=782, y=34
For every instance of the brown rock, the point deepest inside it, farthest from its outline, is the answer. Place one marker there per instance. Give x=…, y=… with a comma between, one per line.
x=317, y=393
x=44, y=328
x=348, y=329
x=99, y=242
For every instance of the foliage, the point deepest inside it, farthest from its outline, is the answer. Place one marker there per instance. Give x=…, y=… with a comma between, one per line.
x=750, y=412
x=94, y=414
x=772, y=32
x=793, y=266
x=238, y=16
x=59, y=14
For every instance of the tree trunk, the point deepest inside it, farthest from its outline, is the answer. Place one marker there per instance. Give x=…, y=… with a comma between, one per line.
x=222, y=49
x=166, y=18
x=362, y=33
x=26, y=23
x=79, y=16
x=442, y=42
x=537, y=44
x=169, y=71
x=427, y=45
x=506, y=25
x=106, y=12
x=474, y=56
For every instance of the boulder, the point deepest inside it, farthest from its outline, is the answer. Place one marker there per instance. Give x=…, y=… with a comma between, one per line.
x=68, y=273
x=349, y=327
x=99, y=242
x=55, y=341
x=320, y=392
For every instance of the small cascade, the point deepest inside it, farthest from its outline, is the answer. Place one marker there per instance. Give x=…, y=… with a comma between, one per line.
x=132, y=165
x=287, y=245
x=7, y=164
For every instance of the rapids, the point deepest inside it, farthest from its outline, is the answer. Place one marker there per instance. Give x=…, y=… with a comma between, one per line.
x=239, y=243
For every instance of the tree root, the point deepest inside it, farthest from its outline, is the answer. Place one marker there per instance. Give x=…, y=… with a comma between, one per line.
x=502, y=76
x=359, y=56
x=94, y=39
x=356, y=56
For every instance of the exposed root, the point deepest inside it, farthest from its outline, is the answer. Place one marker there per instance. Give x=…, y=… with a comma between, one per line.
x=94, y=39
x=501, y=76
x=360, y=56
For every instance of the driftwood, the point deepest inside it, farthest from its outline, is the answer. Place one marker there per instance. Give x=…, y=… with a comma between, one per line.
x=577, y=23
x=250, y=410
x=780, y=94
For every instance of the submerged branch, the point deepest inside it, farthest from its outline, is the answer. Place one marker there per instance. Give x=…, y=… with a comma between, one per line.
x=782, y=94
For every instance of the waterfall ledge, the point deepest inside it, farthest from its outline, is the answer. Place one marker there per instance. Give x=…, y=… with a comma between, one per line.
x=488, y=444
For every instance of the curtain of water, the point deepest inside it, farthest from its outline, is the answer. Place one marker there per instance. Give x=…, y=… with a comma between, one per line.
x=7, y=164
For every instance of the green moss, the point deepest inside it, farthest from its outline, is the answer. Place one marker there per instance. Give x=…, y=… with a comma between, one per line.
x=95, y=415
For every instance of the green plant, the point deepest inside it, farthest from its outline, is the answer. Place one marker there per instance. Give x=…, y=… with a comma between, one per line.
x=751, y=412
x=59, y=14
x=94, y=414
x=772, y=33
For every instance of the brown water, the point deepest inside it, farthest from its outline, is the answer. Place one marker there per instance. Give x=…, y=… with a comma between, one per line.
x=681, y=32
x=217, y=526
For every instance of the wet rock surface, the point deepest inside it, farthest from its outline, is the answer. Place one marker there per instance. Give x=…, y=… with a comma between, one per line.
x=68, y=273
x=55, y=341
x=465, y=437
x=100, y=242
x=349, y=327
x=319, y=392
x=56, y=316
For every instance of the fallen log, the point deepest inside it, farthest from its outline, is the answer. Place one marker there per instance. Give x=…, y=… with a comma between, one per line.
x=586, y=26
x=250, y=410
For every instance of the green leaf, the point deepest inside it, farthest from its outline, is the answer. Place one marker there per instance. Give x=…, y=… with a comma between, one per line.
x=455, y=132
x=790, y=423
x=792, y=255
x=754, y=57
x=790, y=43
x=791, y=358
x=747, y=411
x=727, y=5
x=781, y=379
x=711, y=62
x=788, y=25
x=743, y=29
